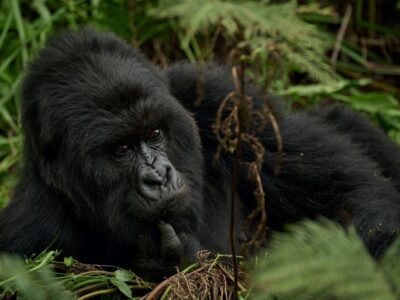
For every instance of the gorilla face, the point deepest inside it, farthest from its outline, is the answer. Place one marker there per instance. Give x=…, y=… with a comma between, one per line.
x=103, y=129
x=156, y=180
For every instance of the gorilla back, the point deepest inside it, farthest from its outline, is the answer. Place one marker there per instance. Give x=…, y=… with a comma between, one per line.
x=335, y=163
x=116, y=171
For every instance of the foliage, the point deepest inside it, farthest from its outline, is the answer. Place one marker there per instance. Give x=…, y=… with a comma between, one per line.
x=36, y=278
x=322, y=261
x=312, y=260
x=33, y=280
x=264, y=29
x=208, y=277
x=382, y=107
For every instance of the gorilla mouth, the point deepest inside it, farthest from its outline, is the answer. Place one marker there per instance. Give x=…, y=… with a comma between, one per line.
x=156, y=200
x=160, y=183
x=160, y=195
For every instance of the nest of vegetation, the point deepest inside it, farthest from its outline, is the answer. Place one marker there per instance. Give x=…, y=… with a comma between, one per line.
x=211, y=278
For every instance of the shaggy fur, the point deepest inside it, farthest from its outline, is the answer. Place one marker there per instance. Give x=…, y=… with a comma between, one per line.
x=88, y=92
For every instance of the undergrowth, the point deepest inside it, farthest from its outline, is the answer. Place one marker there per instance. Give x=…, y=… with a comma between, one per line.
x=313, y=260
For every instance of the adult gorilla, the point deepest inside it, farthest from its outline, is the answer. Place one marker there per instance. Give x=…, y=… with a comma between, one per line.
x=117, y=172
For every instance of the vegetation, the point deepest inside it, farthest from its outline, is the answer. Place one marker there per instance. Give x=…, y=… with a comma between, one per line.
x=312, y=261
x=307, y=51
x=322, y=261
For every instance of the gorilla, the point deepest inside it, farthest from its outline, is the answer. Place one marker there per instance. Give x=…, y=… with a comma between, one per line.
x=119, y=163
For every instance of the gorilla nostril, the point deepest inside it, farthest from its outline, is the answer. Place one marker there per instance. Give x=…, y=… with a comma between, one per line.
x=167, y=174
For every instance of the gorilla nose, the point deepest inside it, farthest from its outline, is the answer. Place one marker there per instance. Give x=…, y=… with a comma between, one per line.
x=151, y=177
x=160, y=182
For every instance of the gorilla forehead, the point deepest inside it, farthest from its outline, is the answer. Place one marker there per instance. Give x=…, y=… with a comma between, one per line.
x=100, y=81
x=105, y=83
x=89, y=69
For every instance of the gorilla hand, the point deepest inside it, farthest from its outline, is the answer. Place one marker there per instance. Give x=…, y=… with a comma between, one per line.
x=171, y=250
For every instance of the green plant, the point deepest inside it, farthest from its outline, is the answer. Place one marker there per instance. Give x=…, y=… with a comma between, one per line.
x=272, y=33
x=323, y=261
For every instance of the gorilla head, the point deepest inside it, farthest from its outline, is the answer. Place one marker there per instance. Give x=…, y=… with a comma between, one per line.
x=106, y=140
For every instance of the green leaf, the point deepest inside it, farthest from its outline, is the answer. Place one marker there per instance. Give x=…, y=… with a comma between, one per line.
x=394, y=135
x=32, y=280
x=43, y=11
x=319, y=261
x=123, y=275
x=321, y=89
x=122, y=287
x=264, y=26
x=7, y=162
x=68, y=261
x=370, y=102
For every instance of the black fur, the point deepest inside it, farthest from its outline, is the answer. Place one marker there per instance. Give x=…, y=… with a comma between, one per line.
x=335, y=163
x=88, y=92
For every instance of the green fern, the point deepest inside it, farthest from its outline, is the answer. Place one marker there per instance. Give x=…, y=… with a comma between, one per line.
x=323, y=261
x=264, y=26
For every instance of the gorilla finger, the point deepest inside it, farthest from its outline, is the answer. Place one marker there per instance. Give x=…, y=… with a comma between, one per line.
x=168, y=234
x=171, y=245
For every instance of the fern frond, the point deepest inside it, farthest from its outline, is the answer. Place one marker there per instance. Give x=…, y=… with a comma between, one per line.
x=320, y=261
x=269, y=26
x=309, y=61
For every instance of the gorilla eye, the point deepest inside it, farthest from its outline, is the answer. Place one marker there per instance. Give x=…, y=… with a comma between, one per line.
x=154, y=134
x=121, y=150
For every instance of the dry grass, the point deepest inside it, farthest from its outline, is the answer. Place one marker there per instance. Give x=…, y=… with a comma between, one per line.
x=210, y=278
